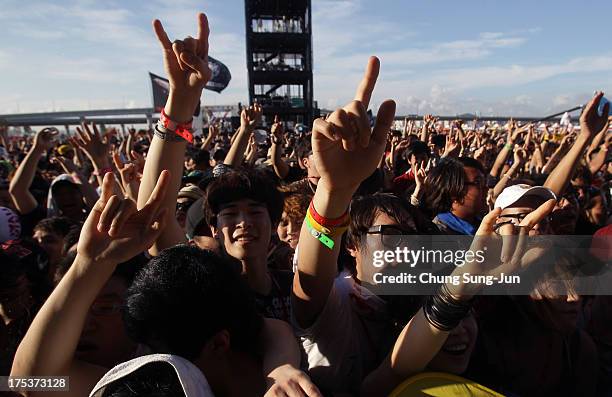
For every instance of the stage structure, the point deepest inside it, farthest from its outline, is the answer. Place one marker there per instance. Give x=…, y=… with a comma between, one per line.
x=279, y=58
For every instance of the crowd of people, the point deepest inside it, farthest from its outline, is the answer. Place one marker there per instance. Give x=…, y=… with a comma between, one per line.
x=235, y=264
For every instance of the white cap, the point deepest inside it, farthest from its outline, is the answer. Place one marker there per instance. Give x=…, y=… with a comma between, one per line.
x=512, y=194
x=191, y=378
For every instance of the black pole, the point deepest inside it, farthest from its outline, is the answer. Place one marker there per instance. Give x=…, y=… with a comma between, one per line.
x=559, y=114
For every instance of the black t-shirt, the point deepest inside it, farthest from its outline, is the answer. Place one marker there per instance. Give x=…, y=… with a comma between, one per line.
x=277, y=304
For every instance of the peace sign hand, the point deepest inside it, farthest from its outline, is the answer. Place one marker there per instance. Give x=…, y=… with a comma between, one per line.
x=116, y=231
x=346, y=150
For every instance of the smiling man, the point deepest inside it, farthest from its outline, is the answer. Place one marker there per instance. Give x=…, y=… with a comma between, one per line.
x=244, y=208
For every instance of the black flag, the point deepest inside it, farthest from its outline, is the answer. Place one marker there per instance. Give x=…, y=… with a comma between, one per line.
x=218, y=81
x=221, y=75
x=161, y=89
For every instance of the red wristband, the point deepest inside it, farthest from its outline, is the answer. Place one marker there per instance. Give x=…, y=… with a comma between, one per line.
x=327, y=222
x=181, y=129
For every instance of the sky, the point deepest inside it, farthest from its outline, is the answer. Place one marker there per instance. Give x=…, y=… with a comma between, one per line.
x=521, y=58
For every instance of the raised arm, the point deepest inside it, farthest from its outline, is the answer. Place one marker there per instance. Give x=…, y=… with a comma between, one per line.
x=249, y=118
x=213, y=131
x=591, y=124
x=113, y=233
x=186, y=64
x=346, y=151
x=280, y=166
x=19, y=189
x=425, y=334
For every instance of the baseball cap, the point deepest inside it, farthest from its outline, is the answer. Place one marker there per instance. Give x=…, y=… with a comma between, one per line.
x=191, y=192
x=192, y=380
x=512, y=194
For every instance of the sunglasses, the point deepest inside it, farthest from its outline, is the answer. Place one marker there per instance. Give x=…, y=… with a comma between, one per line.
x=391, y=235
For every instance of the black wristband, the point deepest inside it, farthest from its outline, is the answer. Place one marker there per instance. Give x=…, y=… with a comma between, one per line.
x=445, y=312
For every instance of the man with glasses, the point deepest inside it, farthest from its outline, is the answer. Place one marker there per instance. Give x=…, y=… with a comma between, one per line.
x=456, y=192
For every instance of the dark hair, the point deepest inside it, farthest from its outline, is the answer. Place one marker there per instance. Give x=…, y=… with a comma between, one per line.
x=364, y=210
x=243, y=184
x=416, y=148
x=447, y=182
x=57, y=224
x=439, y=140
x=219, y=155
x=183, y=297
x=126, y=271
x=156, y=379
x=202, y=157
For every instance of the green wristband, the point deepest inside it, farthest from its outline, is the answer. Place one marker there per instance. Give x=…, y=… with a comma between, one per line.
x=326, y=241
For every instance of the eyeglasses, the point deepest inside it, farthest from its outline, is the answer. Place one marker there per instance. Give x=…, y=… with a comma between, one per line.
x=515, y=220
x=391, y=235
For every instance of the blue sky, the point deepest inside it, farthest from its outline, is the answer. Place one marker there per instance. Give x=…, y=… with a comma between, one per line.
x=444, y=57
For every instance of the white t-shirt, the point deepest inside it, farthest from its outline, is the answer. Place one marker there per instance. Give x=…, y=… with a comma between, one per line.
x=349, y=338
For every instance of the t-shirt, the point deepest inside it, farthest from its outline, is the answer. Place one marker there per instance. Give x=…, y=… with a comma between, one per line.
x=349, y=338
x=277, y=304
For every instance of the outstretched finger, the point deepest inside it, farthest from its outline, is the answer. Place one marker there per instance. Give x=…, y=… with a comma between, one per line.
x=384, y=120
x=157, y=195
x=366, y=87
x=359, y=121
x=203, y=32
x=539, y=214
x=108, y=213
x=162, y=37
x=488, y=222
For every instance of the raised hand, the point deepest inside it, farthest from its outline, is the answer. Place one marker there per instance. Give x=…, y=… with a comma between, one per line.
x=591, y=123
x=186, y=64
x=250, y=117
x=138, y=160
x=116, y=231
x=95, y=147
x=213, y=131
x=520, y=155
x=505, y=253
x=452, y=146
x=346, y=150
x=277, y=131
x=46, y=138
x=129, y=176
x=419, y=175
